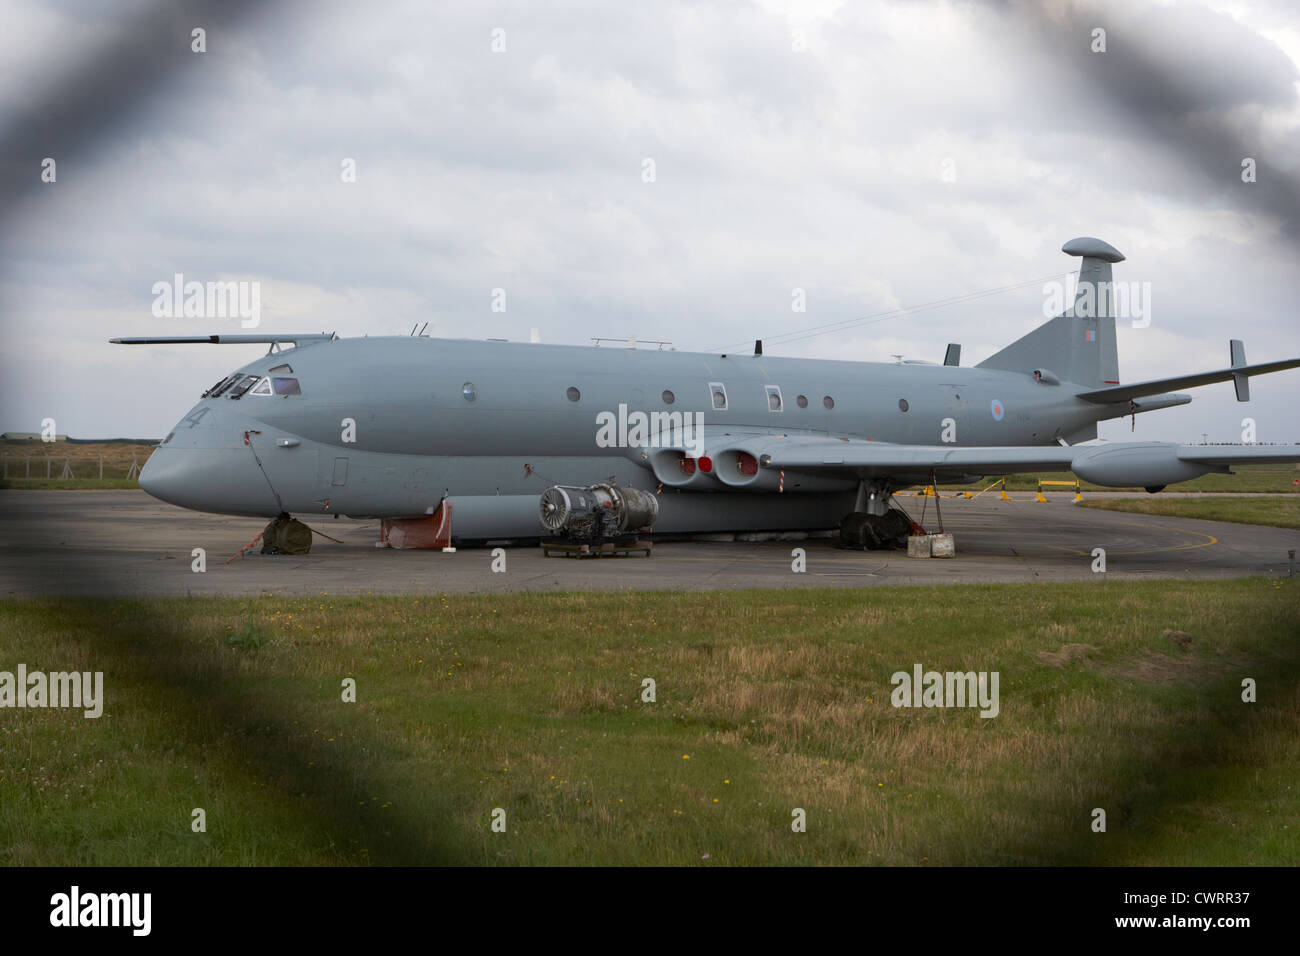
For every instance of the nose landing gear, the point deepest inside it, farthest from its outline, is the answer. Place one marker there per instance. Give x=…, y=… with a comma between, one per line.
x=286, y=535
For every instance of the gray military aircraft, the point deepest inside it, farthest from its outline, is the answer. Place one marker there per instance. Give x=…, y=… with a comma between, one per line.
x=470, y=434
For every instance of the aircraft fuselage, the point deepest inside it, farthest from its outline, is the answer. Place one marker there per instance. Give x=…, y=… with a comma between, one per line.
x=390, y=426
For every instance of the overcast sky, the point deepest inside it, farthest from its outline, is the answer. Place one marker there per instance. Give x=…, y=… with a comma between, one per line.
x=876, y=155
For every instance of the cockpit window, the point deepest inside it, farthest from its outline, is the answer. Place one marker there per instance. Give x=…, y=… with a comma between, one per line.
x=221, y=386
x=285, y=368
x=262, y=388
x=248, y=382
x=285, y=386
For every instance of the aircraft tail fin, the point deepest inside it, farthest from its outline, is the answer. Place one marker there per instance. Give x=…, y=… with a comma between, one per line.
x=1079, y=344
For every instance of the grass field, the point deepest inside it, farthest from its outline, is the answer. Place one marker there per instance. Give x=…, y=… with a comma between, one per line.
x=40, y=465
x=766, y=702
x=1275, y=512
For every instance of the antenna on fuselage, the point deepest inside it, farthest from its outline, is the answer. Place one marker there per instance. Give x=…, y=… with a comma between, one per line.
x=758, y=346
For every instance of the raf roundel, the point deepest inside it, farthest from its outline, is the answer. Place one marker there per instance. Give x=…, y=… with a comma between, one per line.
x=998, y=411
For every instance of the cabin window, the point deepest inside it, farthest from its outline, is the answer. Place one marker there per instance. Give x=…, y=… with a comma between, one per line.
x=828, y=402
x=573, y=394
x=718, y=393
x=248, y=382
x=262, y=388
x=469, y=391
x=902, y=405
x=773, y=397
x=285, y=386
x=668, y=396
x=801, y=401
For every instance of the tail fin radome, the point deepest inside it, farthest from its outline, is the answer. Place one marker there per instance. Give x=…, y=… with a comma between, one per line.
x=1078, y=345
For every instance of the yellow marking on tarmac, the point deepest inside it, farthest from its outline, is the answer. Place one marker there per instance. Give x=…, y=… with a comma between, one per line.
x=1138, y=524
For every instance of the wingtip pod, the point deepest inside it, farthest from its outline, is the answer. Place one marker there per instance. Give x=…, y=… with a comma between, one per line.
x=1135, y=464
x=1090, y=248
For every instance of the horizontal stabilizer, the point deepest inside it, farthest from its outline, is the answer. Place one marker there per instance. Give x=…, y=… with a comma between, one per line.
x=1126, y=393
x=297, y=338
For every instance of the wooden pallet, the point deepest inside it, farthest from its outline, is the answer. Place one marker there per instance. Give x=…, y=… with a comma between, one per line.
x=607, y=549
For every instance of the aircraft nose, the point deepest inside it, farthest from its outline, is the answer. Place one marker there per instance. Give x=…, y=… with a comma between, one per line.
x=163, y=475
x=208, y=479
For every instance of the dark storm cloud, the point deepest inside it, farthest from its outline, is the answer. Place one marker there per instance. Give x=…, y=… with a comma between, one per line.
x=79, y=102
x=1188, y=82
x=818, y=170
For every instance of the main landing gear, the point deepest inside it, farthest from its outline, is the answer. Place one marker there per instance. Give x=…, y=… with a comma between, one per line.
x=875, y=524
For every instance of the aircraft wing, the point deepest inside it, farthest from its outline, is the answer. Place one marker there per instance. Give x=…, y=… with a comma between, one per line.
x=1109, y=463
x=868, y=458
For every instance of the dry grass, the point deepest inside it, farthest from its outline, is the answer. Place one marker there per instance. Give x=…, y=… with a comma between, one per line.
x=27, y=464
x=765, y=702
x=1273, y=512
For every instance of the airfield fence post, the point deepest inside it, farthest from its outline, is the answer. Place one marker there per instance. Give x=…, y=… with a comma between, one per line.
x=6, y=466
x=29, y=466
x=101, y=467
x=47, y=466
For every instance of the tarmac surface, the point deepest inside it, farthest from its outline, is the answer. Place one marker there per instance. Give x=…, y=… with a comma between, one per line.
x=56, y=543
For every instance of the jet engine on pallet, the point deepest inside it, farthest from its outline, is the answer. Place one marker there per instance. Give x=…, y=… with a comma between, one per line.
x=596, y=512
